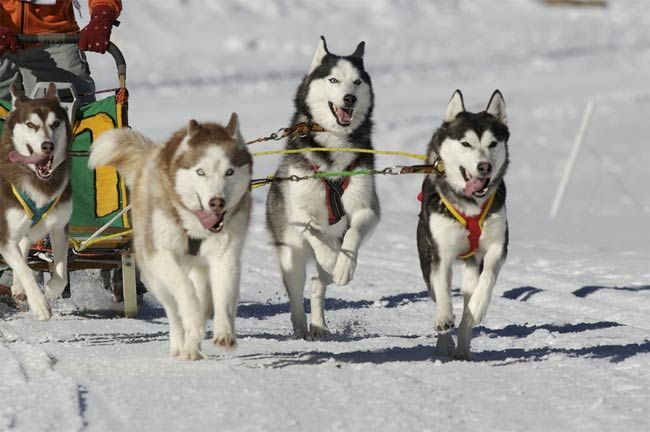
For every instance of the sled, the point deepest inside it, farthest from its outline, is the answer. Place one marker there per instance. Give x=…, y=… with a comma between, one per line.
x=100, y=228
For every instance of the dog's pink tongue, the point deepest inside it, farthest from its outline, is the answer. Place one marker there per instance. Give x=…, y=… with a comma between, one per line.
x=474, y=185
x=208, y=219
x=34, y=158
x=343, y=115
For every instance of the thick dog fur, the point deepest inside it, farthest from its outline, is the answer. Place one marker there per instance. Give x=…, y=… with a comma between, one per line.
x=191, y=208
x=465, y=142
x=296, y=212
x=33, y=158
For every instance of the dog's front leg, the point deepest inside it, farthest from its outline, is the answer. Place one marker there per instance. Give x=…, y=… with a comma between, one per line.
x=59, y=268
x=224, y=277
x=441, y=282
x=180, y=286
x=324, y=252
x=37, y=301
x=17, y=290
x=476, y=307
x=362, y=222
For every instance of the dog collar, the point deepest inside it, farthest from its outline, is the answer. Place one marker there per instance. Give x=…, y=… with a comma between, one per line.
x=334, y=190
x=34, y=212
x=473, y=224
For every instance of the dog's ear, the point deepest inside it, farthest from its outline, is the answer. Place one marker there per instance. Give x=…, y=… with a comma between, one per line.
x=52, y=93
x=17, y=95
x=358, y=53
x=319, y=54
x=233, y=129
x=192, y=127
x=455, y=107
x=497, y=107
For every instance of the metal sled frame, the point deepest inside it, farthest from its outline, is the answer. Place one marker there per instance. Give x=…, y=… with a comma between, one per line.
x=104, y=255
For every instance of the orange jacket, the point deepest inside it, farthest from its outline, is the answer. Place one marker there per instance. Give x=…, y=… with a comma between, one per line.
x=29, y=18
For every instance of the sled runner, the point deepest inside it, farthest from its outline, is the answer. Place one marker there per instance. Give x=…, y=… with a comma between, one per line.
x=100, y=227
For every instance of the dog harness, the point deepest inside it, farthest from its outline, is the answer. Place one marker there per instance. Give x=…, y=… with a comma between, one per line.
x=334, y=190
x=473, y=224
x=35, y=213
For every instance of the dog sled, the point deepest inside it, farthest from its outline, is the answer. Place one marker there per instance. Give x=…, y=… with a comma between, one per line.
x=99, y=236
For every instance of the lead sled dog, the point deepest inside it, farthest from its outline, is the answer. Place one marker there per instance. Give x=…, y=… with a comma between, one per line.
x=463, y=215
x=191, y=208
x=35, y=194
x=325, y=219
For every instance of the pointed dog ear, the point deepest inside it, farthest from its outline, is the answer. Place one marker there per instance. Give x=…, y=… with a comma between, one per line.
x=17, y=95
x=52, y=93
x=497, y=107
x=358, y=53
x=319, y=54
x=455, y=107
x=193, y=127
x=233, y=129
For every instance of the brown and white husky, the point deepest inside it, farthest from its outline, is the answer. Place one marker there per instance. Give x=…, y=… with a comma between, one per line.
x=35, y=194
x=191, y=208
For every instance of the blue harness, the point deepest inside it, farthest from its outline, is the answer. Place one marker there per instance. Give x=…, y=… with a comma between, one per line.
x=34, y=212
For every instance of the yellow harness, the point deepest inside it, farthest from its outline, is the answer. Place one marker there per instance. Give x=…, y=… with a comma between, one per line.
x=36, y=214
x=473, y=224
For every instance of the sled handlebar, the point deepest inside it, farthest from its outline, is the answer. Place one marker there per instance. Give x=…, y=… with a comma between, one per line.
x=73, y=38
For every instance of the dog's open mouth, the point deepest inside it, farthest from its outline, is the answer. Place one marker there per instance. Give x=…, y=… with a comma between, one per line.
x=213, y=222
x=42, y=162
x=475, y=186
x=343, y=115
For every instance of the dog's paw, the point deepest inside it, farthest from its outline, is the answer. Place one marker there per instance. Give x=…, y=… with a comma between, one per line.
x=39, y=306
x=318, y=332
x=224, y=339
x=303, y=334
x=191, y=355
x=344, y=269
x=444, y=324
x=54, y=288
x=462, y=354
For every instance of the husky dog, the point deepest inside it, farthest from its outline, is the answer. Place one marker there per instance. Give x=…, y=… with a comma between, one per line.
x=464, y=214
x=325, y=219
x=35, y=194
x=191, y=207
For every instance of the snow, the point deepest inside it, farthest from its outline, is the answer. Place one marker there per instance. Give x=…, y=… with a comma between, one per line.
x=566, y=341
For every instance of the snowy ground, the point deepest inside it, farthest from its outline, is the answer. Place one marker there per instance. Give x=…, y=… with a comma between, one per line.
x=566, y=341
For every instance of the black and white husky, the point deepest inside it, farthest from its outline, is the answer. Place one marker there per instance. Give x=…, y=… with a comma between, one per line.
x=325, y=219
x=464, y=214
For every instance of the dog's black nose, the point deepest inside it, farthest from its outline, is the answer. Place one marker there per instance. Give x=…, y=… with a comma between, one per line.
x=217, y=204
x=47, y=147
x=484, y=168
x=349, y=99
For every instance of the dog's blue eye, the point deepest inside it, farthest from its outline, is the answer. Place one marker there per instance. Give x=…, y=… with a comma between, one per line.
x=230, y=171
x=200, y=172
x=333, y=80
x=466, y=144
x=493, y=144
x=357, y=82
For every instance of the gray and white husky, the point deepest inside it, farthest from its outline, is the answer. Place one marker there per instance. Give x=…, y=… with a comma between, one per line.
x=325, y=219
x=35, y=194
x=191, y=208
x=463, y=215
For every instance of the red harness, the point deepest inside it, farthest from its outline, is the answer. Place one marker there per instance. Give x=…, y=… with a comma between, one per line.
x=473, y=224
x=334, y=190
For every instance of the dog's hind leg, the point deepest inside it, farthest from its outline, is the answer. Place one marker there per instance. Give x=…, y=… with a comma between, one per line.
x=319, y=283
x=59, y=268
x=468, y=284
x=35, y=297
x=293, y=264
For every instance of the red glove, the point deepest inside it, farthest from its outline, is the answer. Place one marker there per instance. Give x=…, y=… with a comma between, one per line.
x=8, y=41
x=96, y=35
